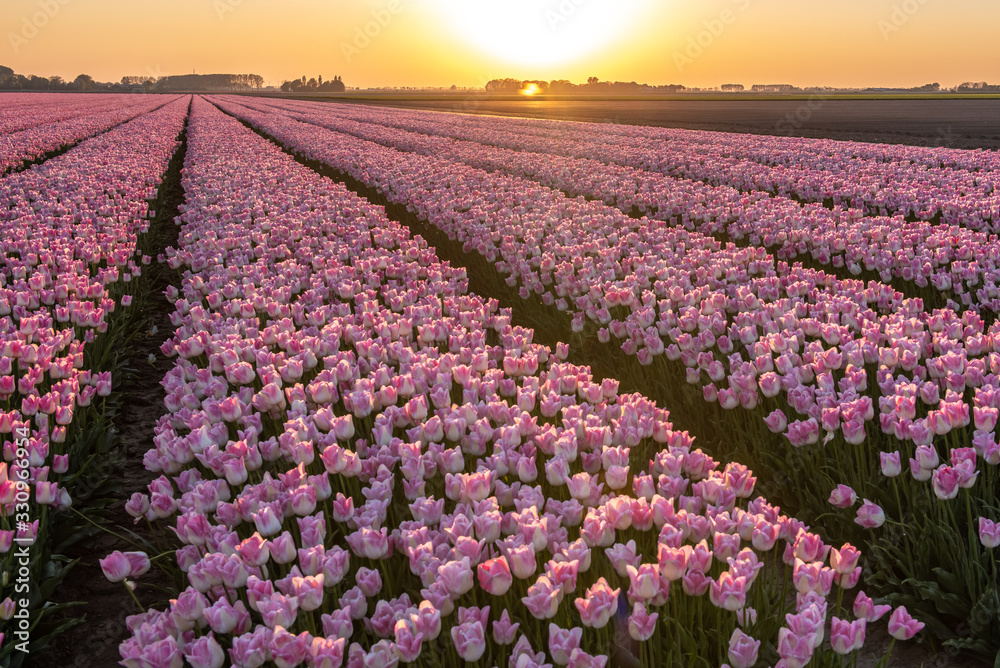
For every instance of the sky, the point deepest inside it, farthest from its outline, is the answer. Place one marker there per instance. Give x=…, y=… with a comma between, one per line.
x=372, y=43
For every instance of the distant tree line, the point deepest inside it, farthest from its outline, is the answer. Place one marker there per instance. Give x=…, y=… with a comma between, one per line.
x=593, y=87
x=209, y=82
x=314, y=85
x=978, y=87
x=9, y=80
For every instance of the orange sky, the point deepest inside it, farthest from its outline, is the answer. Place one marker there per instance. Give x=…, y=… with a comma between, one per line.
x=701, y=43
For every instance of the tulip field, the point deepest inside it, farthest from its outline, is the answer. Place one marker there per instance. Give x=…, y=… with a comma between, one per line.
x=458, y=390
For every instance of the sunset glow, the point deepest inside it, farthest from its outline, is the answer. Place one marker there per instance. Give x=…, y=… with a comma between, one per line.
x=423, y=333
x=446, y=42
x=530, y=33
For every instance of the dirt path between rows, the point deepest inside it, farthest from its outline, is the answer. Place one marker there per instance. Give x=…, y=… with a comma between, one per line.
x=94, y=643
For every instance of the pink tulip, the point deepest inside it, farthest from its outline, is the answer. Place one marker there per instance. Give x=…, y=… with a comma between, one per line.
x=326, y=652
x=562, y=642
x=742, y=650
x=504, y=631
x=989, y=533
x=522, y=561
x=673, y=561
x=494, y=576
x=795, y=651
x=918, y=472
x=728, y=592
x=865, y=608
x=870, y=516
x=890, y=462
x=369, y=543
x=224, y=618
x=641, y=624
x=116, y=566
x=644, y=581
x=408, y=640
x=278, y=610
x=382, y=655
x=809, y=547
x=369, y=581
x=927, y=457
x=902, y=626
x=205, y=652
x=456, y=577
x=470, y=641
x=776, y=422
x=845, y=636
x=598, y=605
x=945, y=481
x=580, y=659
x=543, y=598
x=696, y=583
x=427, y=620
x=808, y=576
x=845, y=559
x=843, y=497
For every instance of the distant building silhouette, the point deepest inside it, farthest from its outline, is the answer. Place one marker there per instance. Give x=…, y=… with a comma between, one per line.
x=773, y=88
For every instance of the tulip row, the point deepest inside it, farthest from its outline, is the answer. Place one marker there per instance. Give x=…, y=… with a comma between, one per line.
x=450, y=199
x=939, y=263
x=958, y=186
x=70, y=230
x=820, y=351
x=642, y=254
x=22, y=111
x=32, y=143
x=348, y=426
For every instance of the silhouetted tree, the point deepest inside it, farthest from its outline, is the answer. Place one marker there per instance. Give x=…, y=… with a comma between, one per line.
x=503, y=86
x=83, y=82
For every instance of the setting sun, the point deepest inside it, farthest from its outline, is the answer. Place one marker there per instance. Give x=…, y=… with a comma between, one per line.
x=531, y=89
x=529, y=33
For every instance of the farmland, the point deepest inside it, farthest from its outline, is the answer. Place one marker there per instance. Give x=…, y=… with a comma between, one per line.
x=950, y=121
x=444, y=389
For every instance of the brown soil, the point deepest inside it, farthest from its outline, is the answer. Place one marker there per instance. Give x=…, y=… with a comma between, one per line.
x=94, y=643
x=963, y=124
